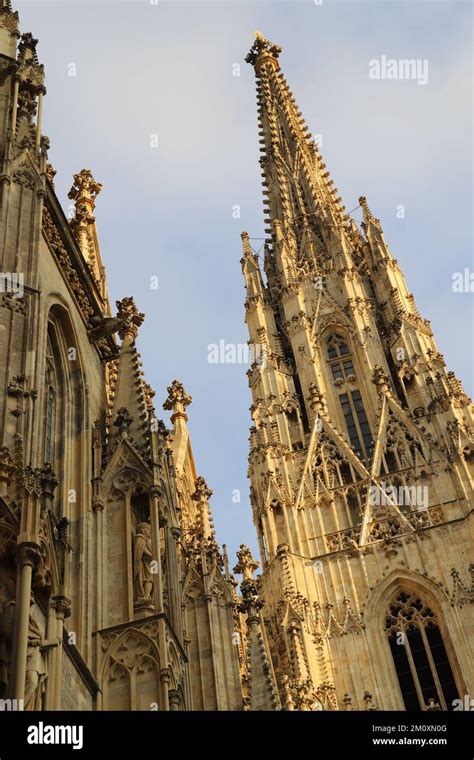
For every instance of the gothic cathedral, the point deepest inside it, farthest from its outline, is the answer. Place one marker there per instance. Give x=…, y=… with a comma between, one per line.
x=114, y=593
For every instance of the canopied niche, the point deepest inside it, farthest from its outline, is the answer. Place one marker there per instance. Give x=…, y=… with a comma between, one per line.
x=142, y=551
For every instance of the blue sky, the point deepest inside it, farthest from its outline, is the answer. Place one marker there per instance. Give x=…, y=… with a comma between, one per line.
x=167, y=69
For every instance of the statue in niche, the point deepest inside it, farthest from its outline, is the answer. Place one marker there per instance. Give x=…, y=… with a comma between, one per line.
x=142, y=558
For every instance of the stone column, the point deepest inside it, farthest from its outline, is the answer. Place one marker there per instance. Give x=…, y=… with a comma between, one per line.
x=62, y=608
x=172, y=536
x=41, y=93
x=16, y=88
x=155, y=493
x=173, y=695
x=27, y=557
x=165, y=678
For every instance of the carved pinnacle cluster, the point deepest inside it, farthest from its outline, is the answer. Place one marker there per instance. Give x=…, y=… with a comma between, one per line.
x=246, y=565
x=202, y=492
x=27, y=48
x=129, y=316
x=83, y=192
x=84, y=186
x=178, y=400
x=262, y=46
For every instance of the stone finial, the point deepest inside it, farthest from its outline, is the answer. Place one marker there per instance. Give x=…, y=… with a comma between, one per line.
x=201, y=495
x=123, y=420
x=149, y=396
x=246, y=243
x=84, y=192
x=84, y=185
x=178, y=400
x=202, y=492
x=49, y=481
x=246, y=565
x=50, y=174
x=262, y=47
x=27, y=48
x=380, y=379
x=129, y=316
x=366, y=212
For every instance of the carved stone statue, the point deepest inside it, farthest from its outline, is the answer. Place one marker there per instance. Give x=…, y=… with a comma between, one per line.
x=142, y=557
x=35, y=666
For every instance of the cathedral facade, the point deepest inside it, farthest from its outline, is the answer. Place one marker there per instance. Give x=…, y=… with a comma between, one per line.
x=114, y=594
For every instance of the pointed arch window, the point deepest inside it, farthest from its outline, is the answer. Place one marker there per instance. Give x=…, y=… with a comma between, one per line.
x=50, y=413
x=339, y=358
x=340, y=362
x=423, y=668
x=51, y=394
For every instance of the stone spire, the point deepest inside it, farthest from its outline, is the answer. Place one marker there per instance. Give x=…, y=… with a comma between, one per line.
x=129, y=413
x=298, y=192
x=177, y=402
x=201, y=496
x=263, y=694
x=84, y=192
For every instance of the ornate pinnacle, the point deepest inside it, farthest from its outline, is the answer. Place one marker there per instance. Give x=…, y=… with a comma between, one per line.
x=50, y=174
x=129, y=317
x=48, y=480
x=84, y=185
x=123, y=420
x=380, y=379
x=367, y=214
x=149, y=396
x=246, y=565
x=27, y=47
x=262, y=48
x=201, y=495
x=84, y=191
x=251, y=602
x=177, y=400
x=202, y=492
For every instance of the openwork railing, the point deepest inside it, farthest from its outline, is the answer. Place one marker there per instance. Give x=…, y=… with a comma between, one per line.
x=386, y=529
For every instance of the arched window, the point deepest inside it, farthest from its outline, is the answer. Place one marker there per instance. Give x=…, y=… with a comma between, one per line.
x=62, y=410
x=419, y=654
x=342, y=368
x=339, y=358
x=53, y=384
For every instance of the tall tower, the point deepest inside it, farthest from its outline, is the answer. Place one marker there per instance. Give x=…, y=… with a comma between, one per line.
x=361, y=450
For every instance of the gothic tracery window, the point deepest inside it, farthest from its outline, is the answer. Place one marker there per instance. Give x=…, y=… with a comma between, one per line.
x=51, y=404
x=342, y=369
x=419, y=654
x=339, y=358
